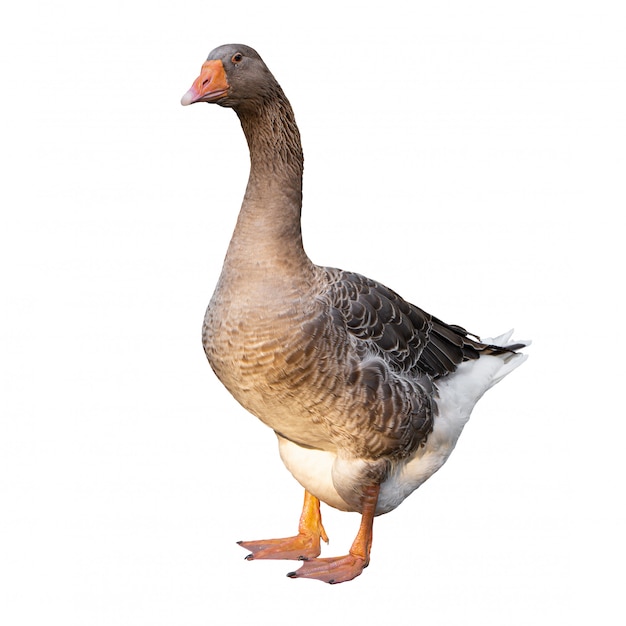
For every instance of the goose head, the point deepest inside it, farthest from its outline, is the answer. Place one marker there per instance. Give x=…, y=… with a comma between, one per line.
x=233, y=76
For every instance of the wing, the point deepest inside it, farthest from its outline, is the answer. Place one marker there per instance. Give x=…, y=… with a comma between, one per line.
x=386, y=367
x=406, y=337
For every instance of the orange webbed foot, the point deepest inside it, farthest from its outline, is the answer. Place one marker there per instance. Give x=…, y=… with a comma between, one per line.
x=304, y=545
x=301, y=547
x=333, y=570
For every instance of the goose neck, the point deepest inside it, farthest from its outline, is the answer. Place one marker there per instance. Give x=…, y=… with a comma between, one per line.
x=268, y=228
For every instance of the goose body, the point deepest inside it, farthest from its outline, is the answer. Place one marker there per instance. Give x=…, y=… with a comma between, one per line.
x=366, y=392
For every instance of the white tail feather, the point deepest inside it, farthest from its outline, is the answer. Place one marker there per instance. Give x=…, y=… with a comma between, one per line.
x=461, y=390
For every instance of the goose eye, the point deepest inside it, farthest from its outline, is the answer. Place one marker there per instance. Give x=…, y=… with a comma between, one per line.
x=237, y=57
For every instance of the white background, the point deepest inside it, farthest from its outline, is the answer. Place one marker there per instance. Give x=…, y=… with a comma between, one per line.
x=468, y=154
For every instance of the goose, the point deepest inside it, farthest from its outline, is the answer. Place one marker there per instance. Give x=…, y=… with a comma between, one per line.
x=367, y=393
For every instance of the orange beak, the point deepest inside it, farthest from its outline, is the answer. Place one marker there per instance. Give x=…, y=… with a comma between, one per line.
x=210, y=86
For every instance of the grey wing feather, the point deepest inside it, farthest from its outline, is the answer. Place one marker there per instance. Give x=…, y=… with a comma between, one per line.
x=397, y=351
x=409, y=339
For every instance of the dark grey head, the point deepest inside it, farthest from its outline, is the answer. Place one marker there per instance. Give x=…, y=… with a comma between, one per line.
x=233, y=75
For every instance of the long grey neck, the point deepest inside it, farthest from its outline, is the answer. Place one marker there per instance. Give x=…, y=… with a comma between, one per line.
x=268, y=234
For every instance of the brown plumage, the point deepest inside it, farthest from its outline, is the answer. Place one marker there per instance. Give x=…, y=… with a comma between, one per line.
x=355, y=381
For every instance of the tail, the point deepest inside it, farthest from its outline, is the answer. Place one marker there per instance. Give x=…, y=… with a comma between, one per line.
x=497, y=357
x=507, y=350
x=449, y=345
x=496, y=344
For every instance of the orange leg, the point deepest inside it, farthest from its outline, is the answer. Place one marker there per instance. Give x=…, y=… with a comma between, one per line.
x=305, y=545
x=343, y=568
